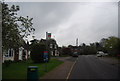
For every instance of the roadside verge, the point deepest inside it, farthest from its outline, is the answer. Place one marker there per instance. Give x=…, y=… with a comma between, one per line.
x=63, y=71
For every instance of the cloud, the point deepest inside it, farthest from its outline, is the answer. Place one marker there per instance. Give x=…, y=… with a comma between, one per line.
x=62, y=0
x=89, y=22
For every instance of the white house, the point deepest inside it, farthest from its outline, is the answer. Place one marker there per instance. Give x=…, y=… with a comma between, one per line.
x=16, y=55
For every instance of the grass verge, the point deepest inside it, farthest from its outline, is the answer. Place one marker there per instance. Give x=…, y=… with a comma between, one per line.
x=18, y=70
x=114, y=57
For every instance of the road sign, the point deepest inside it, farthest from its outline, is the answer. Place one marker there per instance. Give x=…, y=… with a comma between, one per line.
x=48, y=35
x=45, y=56
x=45, y=59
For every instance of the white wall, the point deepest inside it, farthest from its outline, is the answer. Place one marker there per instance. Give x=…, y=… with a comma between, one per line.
x=20, y=53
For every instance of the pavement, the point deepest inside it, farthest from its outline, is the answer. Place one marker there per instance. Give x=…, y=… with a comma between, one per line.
x=62, y=71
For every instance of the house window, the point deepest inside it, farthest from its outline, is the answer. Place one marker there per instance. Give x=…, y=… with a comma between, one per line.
x=55, y=46
x=6, y=55
x=50, y=45
x=10, y=52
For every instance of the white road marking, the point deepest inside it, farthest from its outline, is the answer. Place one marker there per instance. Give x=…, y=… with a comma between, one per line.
x=71, y=69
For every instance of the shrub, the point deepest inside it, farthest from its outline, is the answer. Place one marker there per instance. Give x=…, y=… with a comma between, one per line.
x=37, y=53
x=7, y=63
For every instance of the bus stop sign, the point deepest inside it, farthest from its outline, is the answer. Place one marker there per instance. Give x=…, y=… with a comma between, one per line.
x=45, y=56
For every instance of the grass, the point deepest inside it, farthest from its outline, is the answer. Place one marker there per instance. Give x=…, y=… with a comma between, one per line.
x=18, y=70
x=114, y=57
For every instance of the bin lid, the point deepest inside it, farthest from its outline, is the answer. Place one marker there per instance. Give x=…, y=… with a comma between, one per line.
x=32, y=66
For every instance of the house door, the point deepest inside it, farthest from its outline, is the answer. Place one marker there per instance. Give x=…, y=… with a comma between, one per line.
x=16, y=56
x=24, y=55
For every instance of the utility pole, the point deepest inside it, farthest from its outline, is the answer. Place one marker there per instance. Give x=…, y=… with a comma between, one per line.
x=119, y=19
x=46, y=40
x=46, y=50
x=1, y=56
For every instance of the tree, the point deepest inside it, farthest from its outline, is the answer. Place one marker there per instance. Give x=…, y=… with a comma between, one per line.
x=66, y=51
x=70, y=46
x=98, y=47
x=37, y=48
x=83, y=44
x=37, y=52
x=93, y=49
x=33, y=42
x=14, y=27
x=102, y=44
x=88, y=49
x=112, y=45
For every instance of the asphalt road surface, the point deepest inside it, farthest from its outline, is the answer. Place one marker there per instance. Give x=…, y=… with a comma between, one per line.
x=90, y=67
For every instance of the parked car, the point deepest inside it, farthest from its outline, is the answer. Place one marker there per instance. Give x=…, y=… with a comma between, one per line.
x=105, y=54
x=100, y=54
x=75, y=54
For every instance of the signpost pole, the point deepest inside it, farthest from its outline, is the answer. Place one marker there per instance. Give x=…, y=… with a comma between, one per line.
x=45, y=54
x=48, y=36
x=45, y=59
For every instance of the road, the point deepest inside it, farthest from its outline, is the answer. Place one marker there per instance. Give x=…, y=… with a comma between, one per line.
x=90, y=67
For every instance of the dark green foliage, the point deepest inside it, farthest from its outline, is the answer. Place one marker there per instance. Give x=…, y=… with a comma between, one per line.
x=7, y=63
x=112, y=45
x=14, y=27
x=37, y=53
x=33, y=42
x=66, y=51
x=89, y=50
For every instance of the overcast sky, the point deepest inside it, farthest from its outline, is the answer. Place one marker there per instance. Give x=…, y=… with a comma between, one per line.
x=87, y=21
